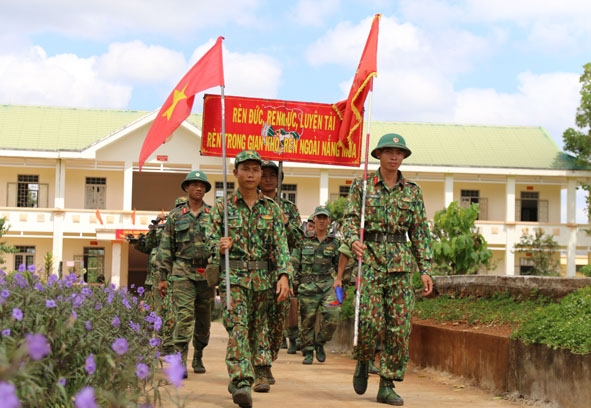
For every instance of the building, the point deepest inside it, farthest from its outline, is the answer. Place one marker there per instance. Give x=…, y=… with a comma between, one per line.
x=71, y=186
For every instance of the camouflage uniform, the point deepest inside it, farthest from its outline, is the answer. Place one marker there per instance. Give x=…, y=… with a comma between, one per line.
x=182, y=257
x=258, y=236
x=387, y=297
x=315, y=265
x=279, y=311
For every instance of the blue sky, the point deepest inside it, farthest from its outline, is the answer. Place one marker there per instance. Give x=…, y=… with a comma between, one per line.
x=501, y=62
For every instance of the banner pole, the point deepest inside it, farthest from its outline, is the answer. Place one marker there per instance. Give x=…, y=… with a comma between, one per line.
x=225, y=198
x=362, y=229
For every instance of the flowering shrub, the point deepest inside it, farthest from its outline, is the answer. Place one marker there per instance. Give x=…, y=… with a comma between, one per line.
x=66, y=344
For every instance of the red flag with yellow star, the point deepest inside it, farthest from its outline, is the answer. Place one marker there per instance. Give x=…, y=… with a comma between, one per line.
x=351, y=110
x=206, y=73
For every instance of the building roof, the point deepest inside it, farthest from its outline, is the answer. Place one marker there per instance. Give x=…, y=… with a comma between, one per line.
x=53, y=129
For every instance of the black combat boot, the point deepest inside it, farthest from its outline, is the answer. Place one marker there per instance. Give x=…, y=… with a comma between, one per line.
x=197, y=364
x=360, y=377
x=387, y=395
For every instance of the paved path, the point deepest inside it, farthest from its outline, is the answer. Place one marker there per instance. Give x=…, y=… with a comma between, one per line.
x=325, y=385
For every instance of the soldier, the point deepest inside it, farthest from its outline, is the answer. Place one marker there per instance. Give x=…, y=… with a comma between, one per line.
x=315, y=265
x=256, y=238
x=278, y=312
x=182, y=256
x=394, y=208
x=309, y=227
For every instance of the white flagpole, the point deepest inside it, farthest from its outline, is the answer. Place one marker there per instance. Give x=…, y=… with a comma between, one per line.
x=362, y=229
x=225, y=198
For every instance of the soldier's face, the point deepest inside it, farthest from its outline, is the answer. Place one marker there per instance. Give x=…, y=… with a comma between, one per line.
x=268, y=180
x=196, y=190
x=391, y=158
x=321, y=222
x=248, y=174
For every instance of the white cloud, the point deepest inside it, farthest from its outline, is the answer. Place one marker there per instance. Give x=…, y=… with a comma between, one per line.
x=313, y=12
x=62, y=80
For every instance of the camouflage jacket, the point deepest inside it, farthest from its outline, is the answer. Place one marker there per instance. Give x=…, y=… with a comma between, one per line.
x=400, y=210
x=293, y=227
x=316, y=260
x=149, y=245
x=183, y=249
x=258, y=234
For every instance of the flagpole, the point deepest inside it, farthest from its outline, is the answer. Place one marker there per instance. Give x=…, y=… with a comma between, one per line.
x=225, y=198
x=362, y=229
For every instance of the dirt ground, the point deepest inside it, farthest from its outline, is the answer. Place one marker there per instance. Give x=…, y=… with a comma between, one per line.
x=327, y=385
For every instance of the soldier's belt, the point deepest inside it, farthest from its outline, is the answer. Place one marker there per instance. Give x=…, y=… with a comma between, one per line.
x=258, y=265
x=384, y=237
x=315, y=278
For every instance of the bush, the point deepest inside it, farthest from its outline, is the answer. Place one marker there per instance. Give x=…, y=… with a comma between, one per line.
x=69, y=344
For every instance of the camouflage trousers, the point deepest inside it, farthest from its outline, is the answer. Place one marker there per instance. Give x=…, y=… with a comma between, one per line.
x=277, y=317
x=193, y=303
x=248, y=333
x=317, y=301
x=386, y=304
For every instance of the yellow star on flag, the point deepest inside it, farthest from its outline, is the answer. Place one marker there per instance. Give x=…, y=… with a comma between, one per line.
x=178, y=96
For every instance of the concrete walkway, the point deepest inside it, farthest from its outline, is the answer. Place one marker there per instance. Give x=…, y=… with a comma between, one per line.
x=324, y=385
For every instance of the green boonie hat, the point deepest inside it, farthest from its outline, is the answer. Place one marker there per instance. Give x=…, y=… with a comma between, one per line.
x=196, y=175
x=247, y=155
x=311, y=218
x=391, y=140
x=269, y=163
x=322, y=210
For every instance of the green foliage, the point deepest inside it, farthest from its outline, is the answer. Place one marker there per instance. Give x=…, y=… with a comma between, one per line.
x=499, y=309
x=563, y=325
x=458, y=247
x=586, y=270
x=543, y=251
x=337, y=208
x=47, y=265
x=578, y=141
x=4, y=247
x=93, y=341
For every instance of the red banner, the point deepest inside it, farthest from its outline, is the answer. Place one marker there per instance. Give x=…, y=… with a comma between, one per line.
x=304, y=132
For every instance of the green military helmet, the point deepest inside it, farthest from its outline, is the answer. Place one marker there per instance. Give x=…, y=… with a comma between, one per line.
x=246, y=155
x=272, y=165
x=391, y=140
x=196, y=175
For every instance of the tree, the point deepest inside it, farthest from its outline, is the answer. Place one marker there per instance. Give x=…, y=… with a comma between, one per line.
x=458, y=247
x=543, y=252
x=4, y=247
x=578, y=142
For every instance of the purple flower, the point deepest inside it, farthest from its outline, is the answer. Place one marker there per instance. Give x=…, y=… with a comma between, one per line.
x=39, y=287
x=62, y=382
x=120, y=346
x=125, y=303
x=8, y=395
x=50, y=303
x=154, y=342
x=5, y=332
x=90, y=365
x=22, y=267
x=141, y=290
x=38, y=346
x=85, y=398
x=134, y=326
x=88, y=325
x=74, y=315
x=98, y=306
x=31, y=268
x=4, y=294
x=175, y=371
x=142, y=370
x=17, y=314
x=52, y=279
x=115, y=322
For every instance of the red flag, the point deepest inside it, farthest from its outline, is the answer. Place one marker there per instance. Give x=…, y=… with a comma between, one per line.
x=98, y=216
x=206, y=73
x=351, y=110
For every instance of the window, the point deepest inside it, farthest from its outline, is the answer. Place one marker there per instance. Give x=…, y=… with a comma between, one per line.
x=95, y=193
x=469, y=197
x=24, y=255
x=219, y=188
x=531, y=208
x=94, y=263
x=526, y=266
x=344, y=191
x=289, y=192
x=27, y=192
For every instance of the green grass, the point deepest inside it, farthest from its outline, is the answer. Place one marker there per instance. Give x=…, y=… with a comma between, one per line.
x=565, y=324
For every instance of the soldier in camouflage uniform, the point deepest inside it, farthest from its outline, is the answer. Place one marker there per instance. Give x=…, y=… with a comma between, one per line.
x=315, y=265
x=182, y=257
x=256, y=238
x=278, y=312
x=394, y=209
